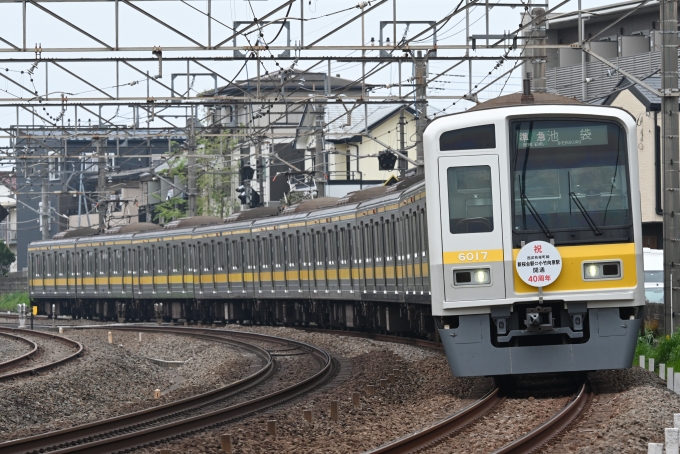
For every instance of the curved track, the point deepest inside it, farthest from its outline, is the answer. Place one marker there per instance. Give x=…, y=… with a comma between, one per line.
x=552, y=427
x=444, y=428
x=45, y=367
x=19, y=359
x=525, y=444
x=151, y=426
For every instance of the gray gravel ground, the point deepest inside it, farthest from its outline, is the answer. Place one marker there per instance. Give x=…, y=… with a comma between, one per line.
x=10, y=349
x=49, y=351
x=631, y=409
x=113, y=379
x=423, y=393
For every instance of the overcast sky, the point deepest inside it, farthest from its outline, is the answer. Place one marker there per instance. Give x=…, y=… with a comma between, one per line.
x=137, y=30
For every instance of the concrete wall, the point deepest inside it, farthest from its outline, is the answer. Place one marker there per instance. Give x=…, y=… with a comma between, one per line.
x=12, y=284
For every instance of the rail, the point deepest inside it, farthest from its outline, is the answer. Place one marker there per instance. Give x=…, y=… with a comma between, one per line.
x=19, y=359
x=444, y=428
x=550, y=428
x=45, y=367
x=152, y=425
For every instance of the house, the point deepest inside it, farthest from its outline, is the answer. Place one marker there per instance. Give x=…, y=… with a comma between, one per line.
x=645, y=106
x=261, y=126
x=353, y=140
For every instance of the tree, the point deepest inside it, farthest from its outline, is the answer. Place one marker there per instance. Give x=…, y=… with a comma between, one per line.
x=7, y=257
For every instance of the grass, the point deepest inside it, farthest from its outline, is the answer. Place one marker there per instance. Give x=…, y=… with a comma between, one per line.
x=664, y=350
x=9, y=301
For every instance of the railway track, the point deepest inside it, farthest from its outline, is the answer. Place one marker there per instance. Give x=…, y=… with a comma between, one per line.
x=170, y=421
x=21, y=358
x=44, y=367
x=527, y=443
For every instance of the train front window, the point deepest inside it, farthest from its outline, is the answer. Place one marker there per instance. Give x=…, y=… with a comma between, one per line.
x=569, y=176
x=470, y=199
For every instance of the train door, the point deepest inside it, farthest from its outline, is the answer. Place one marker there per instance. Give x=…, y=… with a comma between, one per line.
x=122, y=266
x=425, y=259
x=472, y=233
x=417, y=265
x=182, y=265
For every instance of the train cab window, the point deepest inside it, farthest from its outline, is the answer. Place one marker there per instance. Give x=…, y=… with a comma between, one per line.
x=470, y=200
x=474, y=138
x=569, y=175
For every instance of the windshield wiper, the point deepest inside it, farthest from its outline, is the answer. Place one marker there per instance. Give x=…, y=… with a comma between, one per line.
x=585, y=214
x=534, y=213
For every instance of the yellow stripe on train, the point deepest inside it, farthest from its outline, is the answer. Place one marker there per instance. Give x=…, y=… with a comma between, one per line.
x=571, y=276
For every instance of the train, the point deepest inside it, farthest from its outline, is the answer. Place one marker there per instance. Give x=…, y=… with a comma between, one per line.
x=525, y=257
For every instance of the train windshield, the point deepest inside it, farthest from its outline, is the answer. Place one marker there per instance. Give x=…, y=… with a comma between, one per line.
x=569, y=176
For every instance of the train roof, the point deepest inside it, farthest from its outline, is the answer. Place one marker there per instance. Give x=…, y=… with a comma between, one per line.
x=136, y=227
x=192, y=222
x=518, y=99
x=255, y=213
x=311, y=205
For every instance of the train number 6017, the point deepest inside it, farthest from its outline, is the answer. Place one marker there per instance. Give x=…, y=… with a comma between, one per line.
x=472, y=256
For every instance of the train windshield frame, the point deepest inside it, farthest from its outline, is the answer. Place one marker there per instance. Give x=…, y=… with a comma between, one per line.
x=570, y=180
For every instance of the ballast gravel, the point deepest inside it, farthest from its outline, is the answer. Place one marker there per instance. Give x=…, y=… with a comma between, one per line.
x=423, y=392
x=11, y=348
x=631, y=408
x=114, y=379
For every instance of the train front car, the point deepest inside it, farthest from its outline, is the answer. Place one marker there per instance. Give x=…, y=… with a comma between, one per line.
x=535, y=239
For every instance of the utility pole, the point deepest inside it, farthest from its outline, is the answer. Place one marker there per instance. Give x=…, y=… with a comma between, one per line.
x=44, y=202
x=669, y=130
x=402, y=144
x=191, y=165
x=102, y=193
x=538, y=38
x=260, y=167
x=319, y=161
x=421, y=110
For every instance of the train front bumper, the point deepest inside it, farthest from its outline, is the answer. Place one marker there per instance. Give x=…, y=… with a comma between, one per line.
x=470, y=352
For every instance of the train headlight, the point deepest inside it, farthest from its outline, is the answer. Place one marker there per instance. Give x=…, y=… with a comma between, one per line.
x=479, y=276
x=602, y=270
x=592, y=271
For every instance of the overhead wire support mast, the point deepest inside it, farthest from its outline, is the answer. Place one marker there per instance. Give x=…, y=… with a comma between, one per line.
x=671, y=155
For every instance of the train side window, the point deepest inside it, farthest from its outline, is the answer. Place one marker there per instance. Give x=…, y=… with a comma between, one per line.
x=473, y=138
x=470, y=199
x=423, y=231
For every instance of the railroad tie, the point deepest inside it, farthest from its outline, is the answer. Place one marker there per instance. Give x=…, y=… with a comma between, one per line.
x=356, y=399
x=334, y=410
x=225, y=441
x=271, y=427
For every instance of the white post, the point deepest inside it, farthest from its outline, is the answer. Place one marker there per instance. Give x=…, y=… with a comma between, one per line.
x=669, y=374
x=662, y=371
x=140, y=337
x=671, y=440
x=110, y=338
x=676, y=420
x=651, y=364
x=655, y=448
x=676, y=382
x=642, y=361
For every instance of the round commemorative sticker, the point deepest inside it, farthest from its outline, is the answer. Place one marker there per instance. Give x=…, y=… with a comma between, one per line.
x=538, y=263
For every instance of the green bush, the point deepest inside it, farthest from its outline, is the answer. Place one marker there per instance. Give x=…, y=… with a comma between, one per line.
x=664, y=350
x=9, y=301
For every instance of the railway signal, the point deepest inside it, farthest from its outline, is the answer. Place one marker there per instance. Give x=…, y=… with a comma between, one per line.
x=386, y=160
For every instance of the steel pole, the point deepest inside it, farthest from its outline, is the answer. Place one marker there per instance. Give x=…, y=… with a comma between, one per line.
x=319, y=161
x=670, y=127
x=101, y=186
x=421, y=110
x=191, y=166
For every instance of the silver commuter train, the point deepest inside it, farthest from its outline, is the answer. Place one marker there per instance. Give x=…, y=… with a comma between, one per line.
x=519, y=171
x=365, y=261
